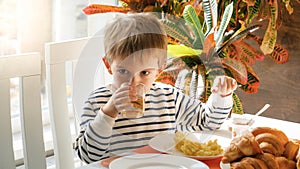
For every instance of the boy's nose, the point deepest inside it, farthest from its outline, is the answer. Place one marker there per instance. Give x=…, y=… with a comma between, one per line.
x=135, y=80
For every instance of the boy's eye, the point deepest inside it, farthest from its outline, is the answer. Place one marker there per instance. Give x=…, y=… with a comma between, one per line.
x=144, y=73
x=123, y=71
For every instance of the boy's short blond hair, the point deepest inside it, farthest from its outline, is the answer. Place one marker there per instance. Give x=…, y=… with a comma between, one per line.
x=130, y=33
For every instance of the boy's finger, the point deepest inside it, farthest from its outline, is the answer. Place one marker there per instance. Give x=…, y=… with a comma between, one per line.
x=222, y=80
x=214, y=89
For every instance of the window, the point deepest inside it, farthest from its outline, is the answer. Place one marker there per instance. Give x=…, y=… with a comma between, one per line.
x=8, y=27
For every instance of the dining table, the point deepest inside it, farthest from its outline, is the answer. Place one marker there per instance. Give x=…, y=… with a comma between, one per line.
x=289, y=128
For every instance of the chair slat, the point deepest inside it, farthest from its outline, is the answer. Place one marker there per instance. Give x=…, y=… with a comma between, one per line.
x=57, y=96
x=31, y=122
x=7, y=160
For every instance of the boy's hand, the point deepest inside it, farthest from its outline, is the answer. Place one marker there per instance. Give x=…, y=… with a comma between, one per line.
x=224, y=86
x=118, y=101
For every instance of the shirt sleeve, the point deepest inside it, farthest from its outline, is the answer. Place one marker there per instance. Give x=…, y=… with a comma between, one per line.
x=95, y=133
x=193, y=115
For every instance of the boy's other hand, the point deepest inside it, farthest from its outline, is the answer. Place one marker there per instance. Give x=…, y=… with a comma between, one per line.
x=224, y=86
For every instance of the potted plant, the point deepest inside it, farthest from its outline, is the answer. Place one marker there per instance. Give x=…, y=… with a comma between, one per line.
x=212, y=39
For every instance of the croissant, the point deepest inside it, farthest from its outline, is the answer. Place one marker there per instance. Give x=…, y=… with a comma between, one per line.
x=285, y=163
x=270, y=140
x=298, y=157
x=269, y=160
x=256, y=163
x=291, y=150
x=241, y=165
x=242, y=146
x=278, y=133
x=271, y=150
x=264, y=161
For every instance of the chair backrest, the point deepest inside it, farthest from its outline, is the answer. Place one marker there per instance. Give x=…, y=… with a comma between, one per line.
x=84, y=54
x=28, y=68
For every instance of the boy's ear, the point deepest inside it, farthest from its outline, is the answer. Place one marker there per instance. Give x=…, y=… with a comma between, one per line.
x=107, y=65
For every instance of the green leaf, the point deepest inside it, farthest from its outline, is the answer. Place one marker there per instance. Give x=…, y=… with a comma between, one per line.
x=238, y=35
x=237, y=69
x=207, y=90
x=253, y=82
x=253, y=11
x=181, y=50
x=183, y=80
x=270, y=37
x=279, y=55
x=165, y=77
x=237, y=107
x=190, y=16
x=210, y=8
x=269, y=40
x=171, y=71
x=247, y=53
x=176, y=32
x=190, y=61
x=224, y=22
x=194, y=84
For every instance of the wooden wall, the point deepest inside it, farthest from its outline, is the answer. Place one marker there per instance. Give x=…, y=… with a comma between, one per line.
x=280, y=84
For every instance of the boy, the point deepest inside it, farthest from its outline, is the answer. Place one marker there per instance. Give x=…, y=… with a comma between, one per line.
x=136, y=52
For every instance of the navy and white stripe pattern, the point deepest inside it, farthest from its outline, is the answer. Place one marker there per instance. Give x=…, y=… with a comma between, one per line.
x=166, y=109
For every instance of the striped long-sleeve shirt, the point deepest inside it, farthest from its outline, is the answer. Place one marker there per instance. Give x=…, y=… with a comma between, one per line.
x=166, y=109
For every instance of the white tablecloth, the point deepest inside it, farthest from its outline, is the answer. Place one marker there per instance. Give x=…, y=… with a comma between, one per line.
x=291, y=129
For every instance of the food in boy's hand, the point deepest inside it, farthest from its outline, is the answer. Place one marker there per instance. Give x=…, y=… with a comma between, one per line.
x=276, y=151
x=193, y=148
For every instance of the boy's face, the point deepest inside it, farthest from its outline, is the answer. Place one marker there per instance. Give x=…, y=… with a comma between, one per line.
x=135, y=71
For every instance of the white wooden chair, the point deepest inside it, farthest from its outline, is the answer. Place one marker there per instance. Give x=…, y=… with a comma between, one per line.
x=28, y=68
x=84, y=54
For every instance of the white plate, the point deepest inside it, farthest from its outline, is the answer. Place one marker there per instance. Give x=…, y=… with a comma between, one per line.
x=156, y=161
x=165, y=142
x=225, y=166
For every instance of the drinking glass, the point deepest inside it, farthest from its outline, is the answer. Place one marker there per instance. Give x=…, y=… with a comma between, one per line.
x=137, y=107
